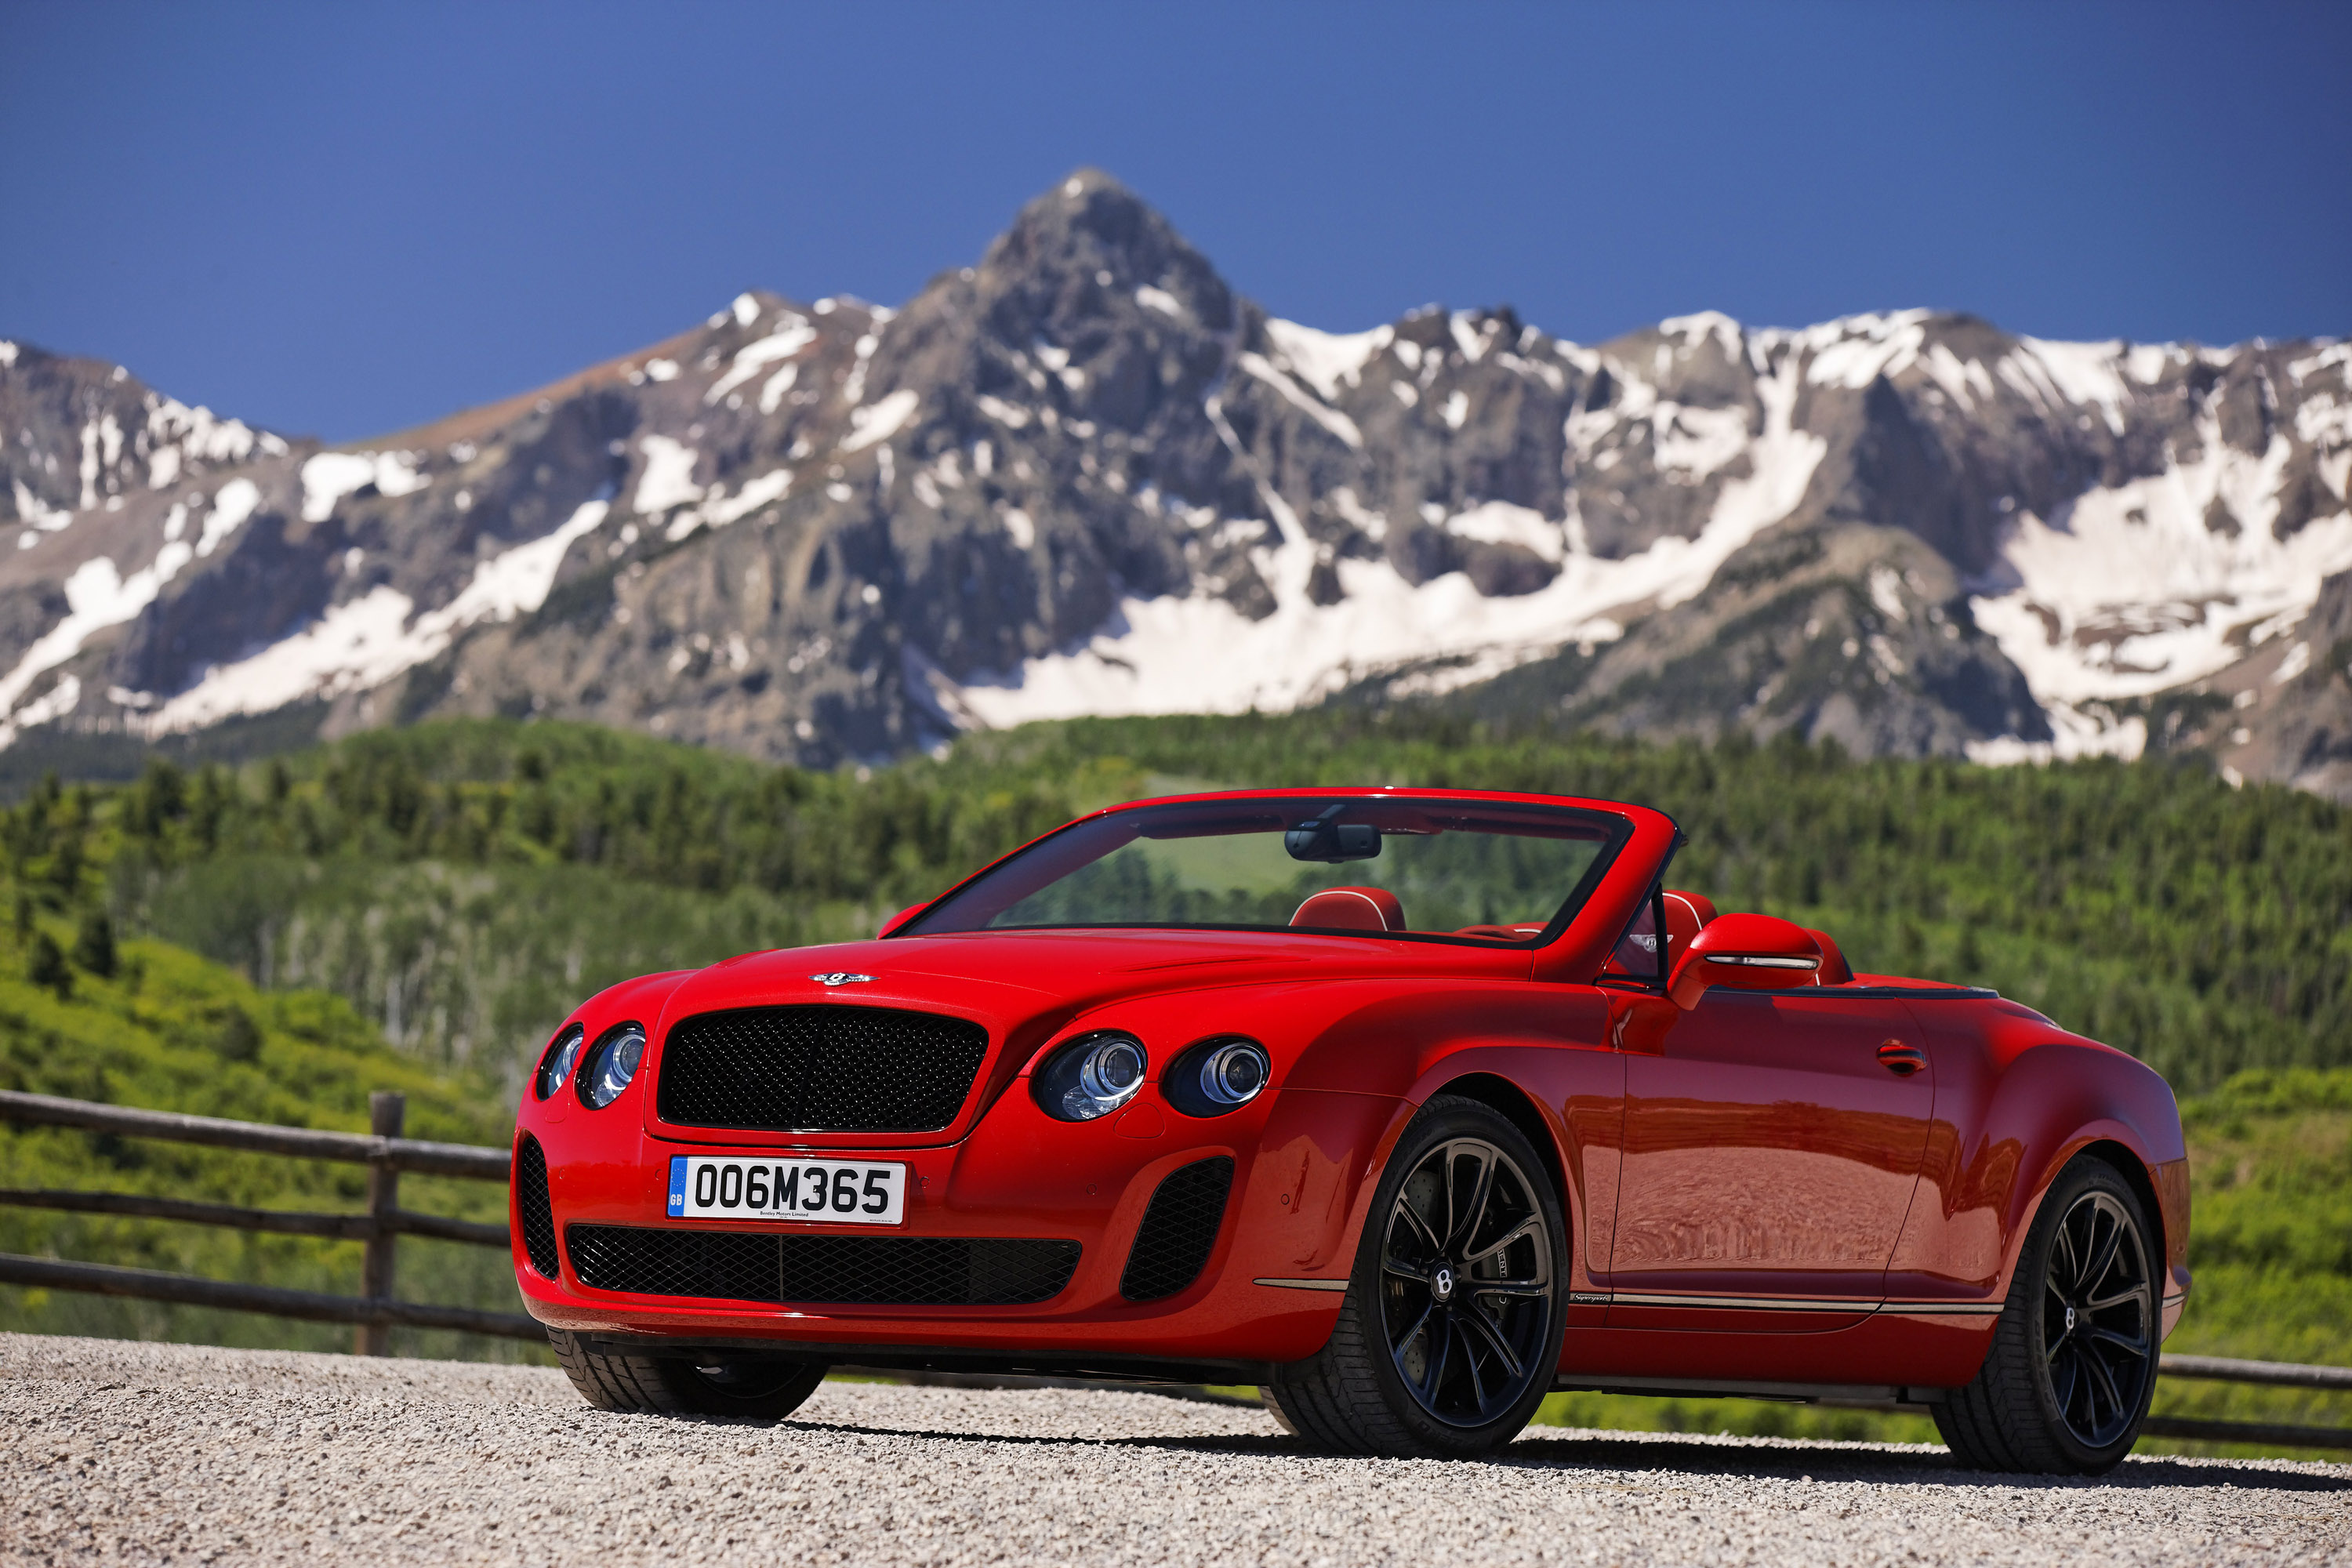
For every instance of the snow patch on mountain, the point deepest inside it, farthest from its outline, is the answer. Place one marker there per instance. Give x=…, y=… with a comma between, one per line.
x=2129, y=590
x=366, y=641
x=1179, y=654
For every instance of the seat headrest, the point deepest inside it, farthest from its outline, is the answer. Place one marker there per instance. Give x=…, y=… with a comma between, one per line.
x=1835, y=970
x=1352, y=909
x=1687, y=916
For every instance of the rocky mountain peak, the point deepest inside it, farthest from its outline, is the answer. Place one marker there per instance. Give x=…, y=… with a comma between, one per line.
x=1083, y=475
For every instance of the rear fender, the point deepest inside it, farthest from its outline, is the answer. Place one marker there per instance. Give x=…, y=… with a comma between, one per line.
x=2016, y=1099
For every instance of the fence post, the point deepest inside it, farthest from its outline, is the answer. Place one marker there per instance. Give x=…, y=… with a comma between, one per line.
x=387, y=1112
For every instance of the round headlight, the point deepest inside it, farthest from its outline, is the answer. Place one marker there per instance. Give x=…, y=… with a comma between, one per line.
x=562, y=1055
x=1211, y=1076
x=1092, y=1076
x=612, y=1063
x=1234, y=1073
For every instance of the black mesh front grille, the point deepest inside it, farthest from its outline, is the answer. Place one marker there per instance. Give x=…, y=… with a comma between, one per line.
x=532, y=1203
x=1172, y=1244
x=819, y=1069
x=823, y=1270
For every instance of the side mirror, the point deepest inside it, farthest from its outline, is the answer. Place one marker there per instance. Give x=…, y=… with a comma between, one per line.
x=1748, y=953
x=901, y=918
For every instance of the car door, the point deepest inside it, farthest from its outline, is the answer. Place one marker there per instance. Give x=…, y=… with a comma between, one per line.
x=1772, y=1142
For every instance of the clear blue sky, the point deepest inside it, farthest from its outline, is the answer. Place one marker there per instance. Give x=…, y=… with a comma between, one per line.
x=345, y=219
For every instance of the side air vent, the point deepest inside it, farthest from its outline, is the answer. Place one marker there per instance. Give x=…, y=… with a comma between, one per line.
x=1179, y=1230
x=867, y=1270
x=532, y=1203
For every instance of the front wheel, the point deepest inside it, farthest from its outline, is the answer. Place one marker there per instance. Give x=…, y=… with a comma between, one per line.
x=2073, y=1365
x=1449, y=1335
x=692, y=1384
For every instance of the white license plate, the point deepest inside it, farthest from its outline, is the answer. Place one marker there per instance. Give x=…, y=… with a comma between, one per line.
x=838, y=1192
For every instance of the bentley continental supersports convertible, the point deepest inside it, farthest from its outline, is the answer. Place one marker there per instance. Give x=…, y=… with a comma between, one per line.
x=1407, y=1106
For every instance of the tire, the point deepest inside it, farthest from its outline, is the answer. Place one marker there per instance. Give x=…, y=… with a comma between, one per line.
x=2066, y=1384
x=1424, y=1367
x=743, y=1389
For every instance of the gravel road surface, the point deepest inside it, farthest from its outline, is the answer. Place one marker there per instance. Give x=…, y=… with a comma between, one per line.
x=146, y=1453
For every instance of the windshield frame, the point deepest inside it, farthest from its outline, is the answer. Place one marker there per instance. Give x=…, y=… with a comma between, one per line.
x=1616, y=830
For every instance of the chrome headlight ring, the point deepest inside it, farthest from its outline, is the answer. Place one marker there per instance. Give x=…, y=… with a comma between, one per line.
x=1218, y=1075
x=611, y=1063
x=1091, y=1076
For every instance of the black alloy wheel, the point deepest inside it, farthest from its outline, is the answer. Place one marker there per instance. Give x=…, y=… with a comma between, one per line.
x=2098, y=1321
x=1449, y=1335
x=2066, y=1380
x=1467, y=1283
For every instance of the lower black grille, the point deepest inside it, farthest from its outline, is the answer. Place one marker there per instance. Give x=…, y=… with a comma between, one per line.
x=827, y=1270
x=834, y=1069
x=532, y=1204
x=1180, y=1228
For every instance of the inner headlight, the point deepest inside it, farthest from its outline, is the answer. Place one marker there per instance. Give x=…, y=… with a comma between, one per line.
x=612, y=1063
x=1235, y=1072
x=1216, y=1075
x=1092, y=1076
x=562, y=1055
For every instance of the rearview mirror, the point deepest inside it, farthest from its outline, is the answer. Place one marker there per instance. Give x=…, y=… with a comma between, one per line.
x=1332, y=842
x=1747, y=953
x=901, y=918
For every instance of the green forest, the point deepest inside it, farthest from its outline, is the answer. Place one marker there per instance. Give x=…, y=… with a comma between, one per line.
x=417, y=907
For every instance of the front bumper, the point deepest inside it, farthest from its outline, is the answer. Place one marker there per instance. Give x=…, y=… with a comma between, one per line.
x=1300, y=1159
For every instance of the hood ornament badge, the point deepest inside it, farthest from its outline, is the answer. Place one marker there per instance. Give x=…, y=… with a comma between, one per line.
x=842, y=977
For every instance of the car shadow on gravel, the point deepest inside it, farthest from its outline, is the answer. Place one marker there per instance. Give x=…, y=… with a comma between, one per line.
x=1780, y=1459
x=1896, y=1467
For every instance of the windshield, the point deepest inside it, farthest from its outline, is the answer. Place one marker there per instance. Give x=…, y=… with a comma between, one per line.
x=1468, y=870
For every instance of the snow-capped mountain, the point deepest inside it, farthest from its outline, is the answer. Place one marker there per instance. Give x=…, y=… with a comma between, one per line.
x=1086, y=477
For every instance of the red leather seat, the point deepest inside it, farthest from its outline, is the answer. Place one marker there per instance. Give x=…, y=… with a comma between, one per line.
x=1352, y=909
x=1835, y=970
x=1687, y=916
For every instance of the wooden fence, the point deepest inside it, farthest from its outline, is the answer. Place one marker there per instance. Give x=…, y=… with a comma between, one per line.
x=383, y=1150
x=386, y=1154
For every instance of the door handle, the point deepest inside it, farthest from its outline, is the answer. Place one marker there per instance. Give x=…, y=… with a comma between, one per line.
x=1901, y=1059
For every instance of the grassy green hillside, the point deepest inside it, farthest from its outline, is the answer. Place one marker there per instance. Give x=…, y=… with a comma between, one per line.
x=167, y=1029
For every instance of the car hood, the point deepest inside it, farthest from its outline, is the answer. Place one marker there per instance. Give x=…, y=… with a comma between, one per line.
x=1025, y=971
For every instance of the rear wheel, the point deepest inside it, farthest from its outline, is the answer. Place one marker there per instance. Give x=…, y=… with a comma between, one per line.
x=2073, y=1365
x=744, y=1388
x=1449, y=1335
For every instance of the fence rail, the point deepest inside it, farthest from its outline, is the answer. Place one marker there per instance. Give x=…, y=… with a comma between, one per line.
x=375, y=1312
x=386, y=1154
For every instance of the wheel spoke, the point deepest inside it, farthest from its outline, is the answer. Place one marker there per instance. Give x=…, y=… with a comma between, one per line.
x=2063, y=1377
x=1441, y=1337
x=1469, y=1360
x=2103, y=1258
x=1482, y=1187
x=2103, y=1382
x=2129, y=1293
x=1527, y=1226
x=1494, y=1341
x=1421, y=1226
x=2134, y=1348
x=1405, y=1339
x=2063, y=1259
x=1516, y=1290
x=1392, y=1267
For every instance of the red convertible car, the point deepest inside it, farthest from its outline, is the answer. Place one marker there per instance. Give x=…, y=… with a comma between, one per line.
x=1407, y=1106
